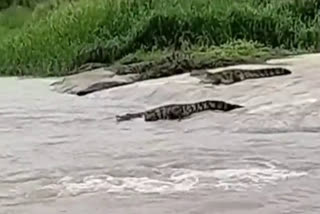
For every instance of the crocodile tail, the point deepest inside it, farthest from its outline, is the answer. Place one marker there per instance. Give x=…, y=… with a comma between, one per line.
x=222, y=106
x=266, y=72
x=232, y=106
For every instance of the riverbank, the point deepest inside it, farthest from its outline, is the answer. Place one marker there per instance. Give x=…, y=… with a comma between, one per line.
x=60, y=40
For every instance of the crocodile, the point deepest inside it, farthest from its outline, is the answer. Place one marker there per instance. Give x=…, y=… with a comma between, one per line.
x=179, y=111
x=232, y=76
x=177, y=62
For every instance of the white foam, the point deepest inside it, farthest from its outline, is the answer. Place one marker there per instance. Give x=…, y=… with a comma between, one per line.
x=67, y=186
x=250, y=178
x=241, y=179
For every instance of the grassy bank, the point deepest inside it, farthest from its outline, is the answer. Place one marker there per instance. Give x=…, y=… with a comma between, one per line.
x=48, y=43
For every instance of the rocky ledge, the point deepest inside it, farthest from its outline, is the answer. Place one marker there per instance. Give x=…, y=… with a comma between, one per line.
x=103, y=77
x=91, y=81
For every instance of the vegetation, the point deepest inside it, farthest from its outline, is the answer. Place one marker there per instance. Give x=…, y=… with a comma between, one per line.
x=48, y=36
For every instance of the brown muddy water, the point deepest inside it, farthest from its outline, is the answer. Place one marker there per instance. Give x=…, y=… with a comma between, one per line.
x=66, y=154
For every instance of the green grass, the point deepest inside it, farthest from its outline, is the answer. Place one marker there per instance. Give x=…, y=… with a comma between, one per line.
x=47, y=44
x=30, y=4
x=12, y=19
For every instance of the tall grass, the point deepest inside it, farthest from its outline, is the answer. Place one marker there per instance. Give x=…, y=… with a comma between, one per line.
x=12, y=19
x=4, y=4
x=47, y=46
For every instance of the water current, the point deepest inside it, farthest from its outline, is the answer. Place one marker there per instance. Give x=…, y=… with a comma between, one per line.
x=66, y=154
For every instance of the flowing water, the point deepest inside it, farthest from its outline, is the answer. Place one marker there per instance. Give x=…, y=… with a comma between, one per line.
x=66, y=154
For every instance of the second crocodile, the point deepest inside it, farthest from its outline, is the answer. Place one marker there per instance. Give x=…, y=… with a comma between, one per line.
x=179, y=111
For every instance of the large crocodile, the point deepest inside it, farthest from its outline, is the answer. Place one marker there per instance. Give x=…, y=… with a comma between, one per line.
x=179, y=111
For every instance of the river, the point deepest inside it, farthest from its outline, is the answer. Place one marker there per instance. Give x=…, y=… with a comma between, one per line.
x=66, y=154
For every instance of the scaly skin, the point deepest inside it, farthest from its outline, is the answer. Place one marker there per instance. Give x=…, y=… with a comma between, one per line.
x=232, y=76
x=179, y=111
